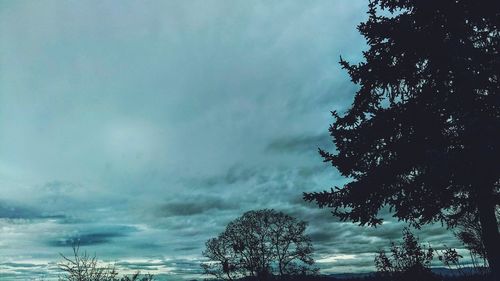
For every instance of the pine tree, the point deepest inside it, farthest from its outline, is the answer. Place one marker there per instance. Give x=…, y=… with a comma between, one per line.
x=422, y=135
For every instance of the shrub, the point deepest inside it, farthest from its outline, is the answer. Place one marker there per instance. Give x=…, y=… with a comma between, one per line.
x=407, y=260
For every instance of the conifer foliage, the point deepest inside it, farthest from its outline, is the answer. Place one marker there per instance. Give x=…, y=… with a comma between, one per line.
x=422, y=135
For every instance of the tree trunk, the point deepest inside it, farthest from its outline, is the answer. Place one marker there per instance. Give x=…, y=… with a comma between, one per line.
x=490, y=234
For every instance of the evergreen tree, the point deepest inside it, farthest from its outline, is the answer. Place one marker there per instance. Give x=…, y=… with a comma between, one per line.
x=422, y=135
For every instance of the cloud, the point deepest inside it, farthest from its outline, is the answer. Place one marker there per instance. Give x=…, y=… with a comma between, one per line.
x=173, y=266
x=142, y=129
x=87, y=238
x=147, y=265
x=237, y=174
x=187, y=248
x=14, y=211
x=195, y=205
x=19, y=264
x=299, y=144
x=26, y=270
x=17, y=211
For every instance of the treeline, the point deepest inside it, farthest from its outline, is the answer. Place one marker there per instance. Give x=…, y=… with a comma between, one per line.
x=267, y=245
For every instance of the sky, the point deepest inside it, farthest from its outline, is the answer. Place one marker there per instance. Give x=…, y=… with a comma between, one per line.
x=141, y=128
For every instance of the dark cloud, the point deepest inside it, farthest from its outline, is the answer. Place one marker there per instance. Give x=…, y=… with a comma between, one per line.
x=300, y=144
x=236, y=174
x=195, y=205
x=320, y=236
x=187, y=248
x=146, y=245
x=13, y=210
x=86, y=238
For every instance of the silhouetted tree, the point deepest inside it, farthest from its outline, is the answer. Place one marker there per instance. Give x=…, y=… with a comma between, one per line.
x=453, y=260
x=423, y=133
x=260, y=244
x=224, y=260
x=83, y=267
x=468, y=230
x=469, y=233
x=407, y=261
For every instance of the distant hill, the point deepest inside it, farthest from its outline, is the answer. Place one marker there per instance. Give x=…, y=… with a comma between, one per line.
x=443, y=271
x=350, y=275
x=446, y=274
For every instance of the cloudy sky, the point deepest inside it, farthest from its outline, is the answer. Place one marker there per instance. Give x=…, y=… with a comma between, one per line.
x=141, y=128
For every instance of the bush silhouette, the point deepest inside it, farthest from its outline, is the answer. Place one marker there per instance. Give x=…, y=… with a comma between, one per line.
x=406, y=261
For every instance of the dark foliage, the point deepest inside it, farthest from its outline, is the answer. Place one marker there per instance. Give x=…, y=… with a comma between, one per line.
x=435, y=277
x=407, y=261
x=260, y=244
x=407, y=256
x=468, y=230
x=423, y=133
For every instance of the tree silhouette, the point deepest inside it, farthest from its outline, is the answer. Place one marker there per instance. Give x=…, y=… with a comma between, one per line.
x=468, y=230
x=422, y=135
x=260, y=244
x=83, y=267
x=407, y=261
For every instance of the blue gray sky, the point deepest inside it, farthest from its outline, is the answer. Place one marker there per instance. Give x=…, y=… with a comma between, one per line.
x=141, y=128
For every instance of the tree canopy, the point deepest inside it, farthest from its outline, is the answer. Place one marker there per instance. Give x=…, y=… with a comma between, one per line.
x=260, y=244
x=422, y=135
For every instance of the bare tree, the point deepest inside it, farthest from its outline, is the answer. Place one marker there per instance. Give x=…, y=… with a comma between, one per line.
x=84, y=267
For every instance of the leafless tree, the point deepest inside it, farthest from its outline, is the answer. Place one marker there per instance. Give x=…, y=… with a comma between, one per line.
x=84, y=267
